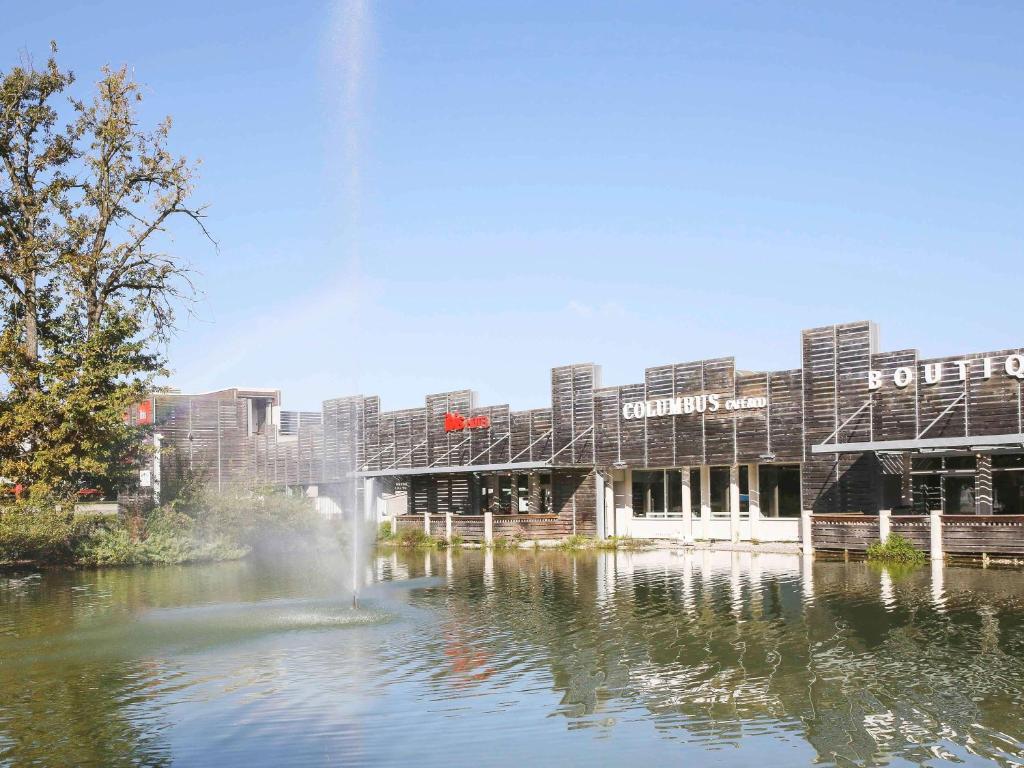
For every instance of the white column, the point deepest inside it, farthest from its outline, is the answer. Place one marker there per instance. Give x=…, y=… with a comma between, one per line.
x=884, y=524
x=370, y=498
x=686, y=500
x=426, y=523
x=157, y=437
x=448, y=526
x=734, y=503
x=705, y=502
x=599, y=501
x=935, y=518
x=488, y=527
x=754, y=491
x=806, y=545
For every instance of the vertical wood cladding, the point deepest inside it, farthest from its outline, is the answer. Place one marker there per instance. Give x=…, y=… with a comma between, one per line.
x=689, y=429
x=206, y=437
x=751, y=425
x=785, y=415
x=836, y=360
x=661, y=445
x=720, y=426
x=990, y=408
x=572, y=412
x=894, y=409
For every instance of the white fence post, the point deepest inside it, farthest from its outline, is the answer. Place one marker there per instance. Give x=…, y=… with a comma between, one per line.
x=884, y=524
x=935, y=520
x=806, y=545
x=488, y=527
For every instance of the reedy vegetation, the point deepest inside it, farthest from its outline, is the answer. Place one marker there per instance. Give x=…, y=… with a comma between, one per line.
x=199, y=526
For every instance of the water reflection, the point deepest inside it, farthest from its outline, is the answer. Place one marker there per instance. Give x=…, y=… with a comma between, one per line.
x=540, y=657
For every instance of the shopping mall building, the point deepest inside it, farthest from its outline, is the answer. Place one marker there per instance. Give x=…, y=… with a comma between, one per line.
x=695, y=450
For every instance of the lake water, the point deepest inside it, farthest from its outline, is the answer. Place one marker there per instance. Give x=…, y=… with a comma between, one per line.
x=527, y=658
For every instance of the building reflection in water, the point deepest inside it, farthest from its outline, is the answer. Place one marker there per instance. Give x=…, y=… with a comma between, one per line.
x=865, y=664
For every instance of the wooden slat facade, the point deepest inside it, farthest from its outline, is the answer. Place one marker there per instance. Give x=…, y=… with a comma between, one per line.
x=585, y=430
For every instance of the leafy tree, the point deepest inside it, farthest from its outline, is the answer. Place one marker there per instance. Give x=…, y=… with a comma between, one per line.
x=88, y=295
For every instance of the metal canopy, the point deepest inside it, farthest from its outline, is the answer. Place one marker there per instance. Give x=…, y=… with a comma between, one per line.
x=464, y=468
x=979, y=442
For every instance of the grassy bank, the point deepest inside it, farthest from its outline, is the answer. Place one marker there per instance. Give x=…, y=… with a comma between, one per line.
x=202, y=527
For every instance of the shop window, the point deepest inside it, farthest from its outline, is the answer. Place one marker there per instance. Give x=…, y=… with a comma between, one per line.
x=523, y=491
x=961, y=462
x=648, y=494
x=719, y=492
x=780, y=490
x=744, y=478
x=545, y=495
x=959, y=493
x=927, y=493
x=658, y=493
x=674, y=486
x=505, y=494
x=695, y=490
x=926, y=464
x=1008, y=461
x=1008, y=493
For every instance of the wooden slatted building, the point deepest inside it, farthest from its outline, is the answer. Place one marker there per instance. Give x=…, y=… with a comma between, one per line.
x=697, y=449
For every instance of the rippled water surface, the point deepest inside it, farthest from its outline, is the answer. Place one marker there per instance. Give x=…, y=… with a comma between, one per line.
x=530, y=658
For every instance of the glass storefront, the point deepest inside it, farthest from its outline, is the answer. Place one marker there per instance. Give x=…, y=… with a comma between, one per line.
x=779, y=487
x=657, y=493
x=1008, y=484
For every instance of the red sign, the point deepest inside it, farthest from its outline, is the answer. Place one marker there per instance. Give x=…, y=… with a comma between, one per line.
x=143, y=413
x=456, y=422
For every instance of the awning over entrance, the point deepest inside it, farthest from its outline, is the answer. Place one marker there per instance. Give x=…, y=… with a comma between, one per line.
x=975, y=443
x=517, y=466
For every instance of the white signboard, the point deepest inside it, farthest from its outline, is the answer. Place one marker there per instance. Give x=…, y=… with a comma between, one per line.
x=678, y=406
x=934, y=372
x=145, y=478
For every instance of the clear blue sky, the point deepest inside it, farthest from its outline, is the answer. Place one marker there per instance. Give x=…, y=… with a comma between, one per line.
x=413, y=197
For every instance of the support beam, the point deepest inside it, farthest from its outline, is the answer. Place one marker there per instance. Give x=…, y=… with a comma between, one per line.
x=983, y=484
x=935, y=520
x=754, y=492
x=705, y=501
x=906, y=483
x=533, y=503
x=687, y=500
x=600, y=508
x=734, y=503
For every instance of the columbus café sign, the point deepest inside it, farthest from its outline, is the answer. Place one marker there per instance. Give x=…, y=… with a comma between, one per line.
x=676, y=406
x=932, y=373
x=902, y=377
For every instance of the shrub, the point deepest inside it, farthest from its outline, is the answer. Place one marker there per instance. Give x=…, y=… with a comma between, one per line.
x=504, y=544
x=575, y=542
x=895, y=549
x=384, y=532
x=39, y=530
x=416, y=538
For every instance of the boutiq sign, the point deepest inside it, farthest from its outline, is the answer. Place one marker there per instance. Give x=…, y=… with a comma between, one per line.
x=677, y=406
x=456, y=422
x=902, y=377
